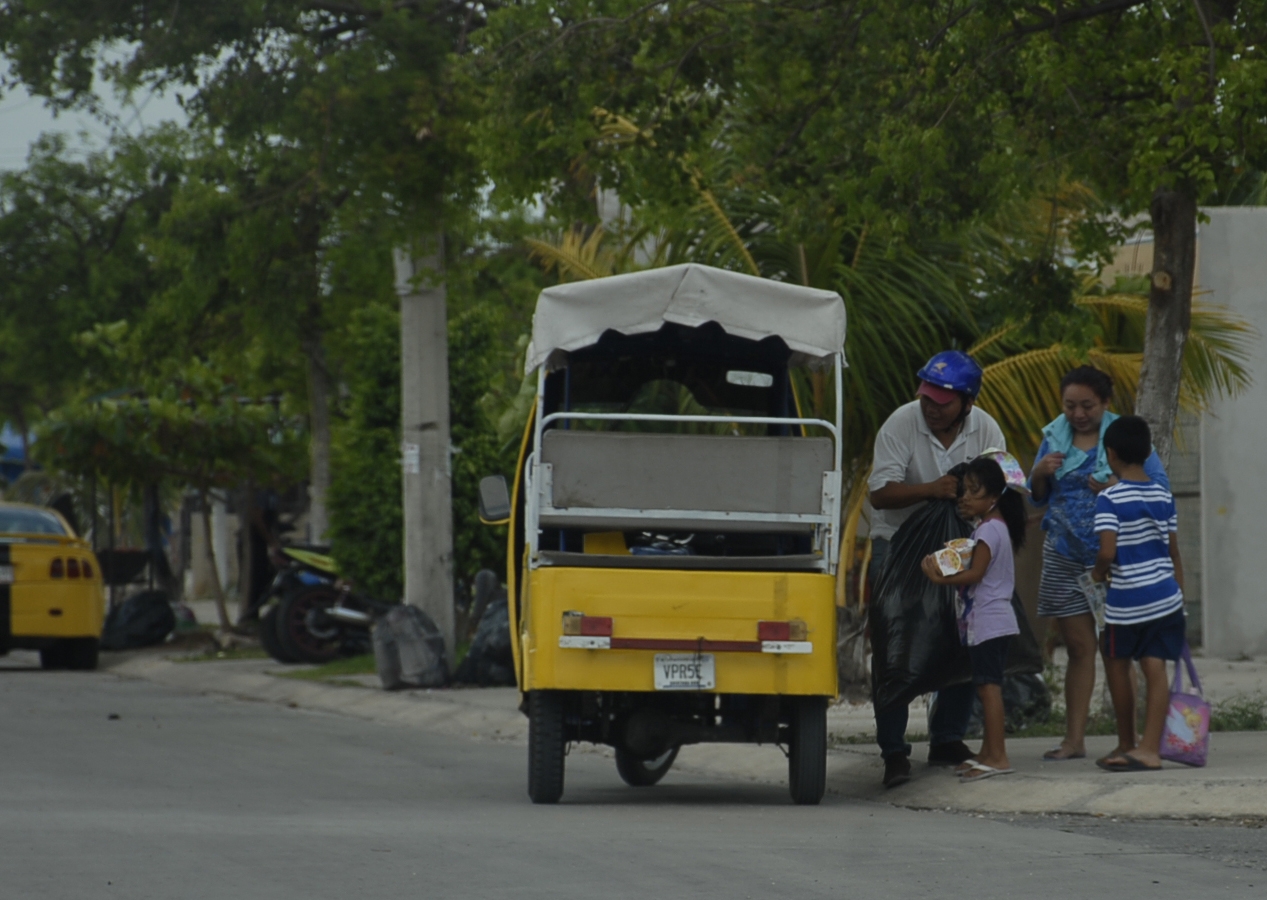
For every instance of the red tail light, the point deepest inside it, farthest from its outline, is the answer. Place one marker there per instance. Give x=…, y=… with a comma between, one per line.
x=575, y=623
x=794, y=630
x=87, y=569
x=57, y=569
x=596, y=626
x=72, y=568
x=774, y=631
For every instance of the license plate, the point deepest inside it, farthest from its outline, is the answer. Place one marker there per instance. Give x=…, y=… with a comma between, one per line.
x=6, y=574
x=685, y=672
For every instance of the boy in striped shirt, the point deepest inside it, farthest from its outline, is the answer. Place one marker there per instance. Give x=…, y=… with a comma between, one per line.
x=1143, y=614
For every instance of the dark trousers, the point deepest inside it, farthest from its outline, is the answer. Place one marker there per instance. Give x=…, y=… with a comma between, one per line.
x=951, y=707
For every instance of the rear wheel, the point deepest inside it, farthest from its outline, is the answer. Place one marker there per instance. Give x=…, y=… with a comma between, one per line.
x=53, y=657
x=637, y=772
x=546, y=746
x=304, y=632
x=807, y=751
x=81, y=654
x=269, y=638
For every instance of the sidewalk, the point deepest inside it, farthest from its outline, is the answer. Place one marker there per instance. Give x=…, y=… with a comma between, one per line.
x=1233, y=785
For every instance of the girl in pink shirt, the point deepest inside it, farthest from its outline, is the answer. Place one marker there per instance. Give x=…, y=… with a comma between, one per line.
x=987, y=622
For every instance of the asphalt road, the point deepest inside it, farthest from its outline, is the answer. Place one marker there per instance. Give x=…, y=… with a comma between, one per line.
x=113, y=788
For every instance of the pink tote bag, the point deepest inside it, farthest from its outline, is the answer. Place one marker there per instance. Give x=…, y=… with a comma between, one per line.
x=1186, y=737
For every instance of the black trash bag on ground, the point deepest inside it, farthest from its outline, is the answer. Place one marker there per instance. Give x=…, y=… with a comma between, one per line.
x=409, y=650
x=490, y=662
x=915, y=644
x=142, y=620
x=1026, y=702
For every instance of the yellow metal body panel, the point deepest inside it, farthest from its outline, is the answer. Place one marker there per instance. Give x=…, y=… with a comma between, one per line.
x=681, y=605
x=41, y=606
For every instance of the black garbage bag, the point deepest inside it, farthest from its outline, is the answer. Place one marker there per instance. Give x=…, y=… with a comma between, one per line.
x=1026, y=701
x=409, y=649
x=142, y=620
x=915, y=644
x=490, y=662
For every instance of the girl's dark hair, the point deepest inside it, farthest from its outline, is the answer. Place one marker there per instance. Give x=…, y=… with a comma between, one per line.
x=1090, y=377
x=987, y=473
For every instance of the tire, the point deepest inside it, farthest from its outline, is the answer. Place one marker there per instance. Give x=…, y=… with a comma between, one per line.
x=270, y=640
x=304, y=632
x=54, y=657
x=637, y=772
x=81, y=654
x=546, y=746
x=807, y=751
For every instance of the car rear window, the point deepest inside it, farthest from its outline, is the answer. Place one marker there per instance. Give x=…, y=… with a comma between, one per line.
x=29, y=521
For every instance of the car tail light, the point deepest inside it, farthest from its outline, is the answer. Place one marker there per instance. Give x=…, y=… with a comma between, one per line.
x=87, y=569
x=575, y=623
x=794, y=630
x=72, y=568
x=57, y=569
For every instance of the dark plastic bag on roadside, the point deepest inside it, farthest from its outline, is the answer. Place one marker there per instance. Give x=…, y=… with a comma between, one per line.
x=409, y=650
x=490, y=661
x=142, y=620
x=1026, y=702
x=915, y=645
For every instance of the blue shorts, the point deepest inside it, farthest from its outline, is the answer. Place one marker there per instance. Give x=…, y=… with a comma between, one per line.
x=989, y=659
x=1158, y=638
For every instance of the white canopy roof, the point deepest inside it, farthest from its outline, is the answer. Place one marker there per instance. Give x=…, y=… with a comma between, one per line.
x=575, y=315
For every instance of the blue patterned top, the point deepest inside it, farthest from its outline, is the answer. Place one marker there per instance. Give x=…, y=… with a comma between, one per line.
x=1070, y=518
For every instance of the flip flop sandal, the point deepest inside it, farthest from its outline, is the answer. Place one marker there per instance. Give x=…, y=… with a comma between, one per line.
x=1058, y=754
x=1129, y=764
x=1111, y=762
x=983, y=771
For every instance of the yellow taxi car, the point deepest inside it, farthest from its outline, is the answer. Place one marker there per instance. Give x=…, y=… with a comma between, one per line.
x=51, y=594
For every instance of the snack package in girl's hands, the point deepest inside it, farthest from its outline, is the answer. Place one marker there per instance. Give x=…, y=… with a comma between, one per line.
x=964, y=547
x=948, y=561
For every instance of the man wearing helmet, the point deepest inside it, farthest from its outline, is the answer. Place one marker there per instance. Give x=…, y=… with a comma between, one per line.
x=914, y=449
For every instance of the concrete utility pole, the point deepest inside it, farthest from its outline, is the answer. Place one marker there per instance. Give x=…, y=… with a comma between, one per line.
x=426, y=480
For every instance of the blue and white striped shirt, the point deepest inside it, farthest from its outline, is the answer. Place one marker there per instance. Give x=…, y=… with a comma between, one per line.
x=1142, y=514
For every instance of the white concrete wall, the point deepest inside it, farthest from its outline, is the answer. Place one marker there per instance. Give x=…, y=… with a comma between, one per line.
x=1233, y=267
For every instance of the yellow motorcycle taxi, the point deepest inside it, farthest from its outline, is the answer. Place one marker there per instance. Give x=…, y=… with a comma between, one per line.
x=674, y=523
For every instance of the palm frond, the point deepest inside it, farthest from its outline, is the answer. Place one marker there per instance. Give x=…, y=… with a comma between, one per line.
x=574, y=255
x=988, y=345
x=1216, y=357
x=709, y=203
x=1022, y=393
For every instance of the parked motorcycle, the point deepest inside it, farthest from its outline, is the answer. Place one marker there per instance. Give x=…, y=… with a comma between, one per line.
x=309, y=615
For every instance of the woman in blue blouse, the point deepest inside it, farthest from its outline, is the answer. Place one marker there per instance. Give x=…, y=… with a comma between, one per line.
x=1071, y=470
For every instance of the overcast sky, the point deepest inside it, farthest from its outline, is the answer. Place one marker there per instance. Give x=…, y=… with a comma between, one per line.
x=23, y=118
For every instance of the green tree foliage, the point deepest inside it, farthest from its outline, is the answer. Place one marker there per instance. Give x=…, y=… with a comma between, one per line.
x=830, y=109
x=475, y=353
x=72, y=256
x=324, y=125
x=366, y=527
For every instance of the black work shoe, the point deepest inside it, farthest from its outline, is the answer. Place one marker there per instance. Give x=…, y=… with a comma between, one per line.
x=897, y=770
x=951, y=754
